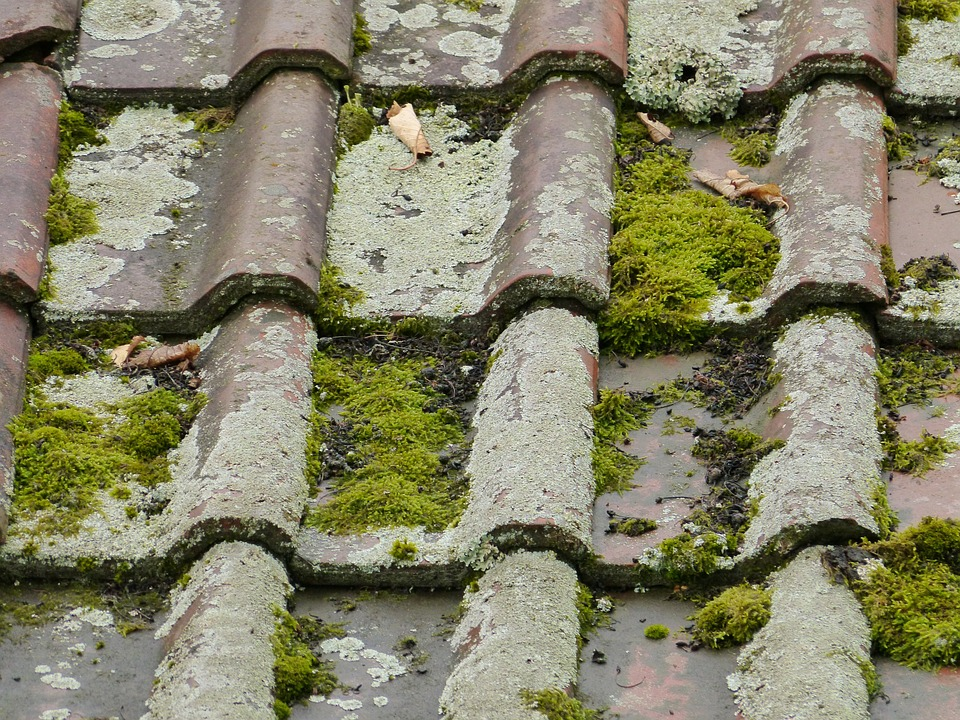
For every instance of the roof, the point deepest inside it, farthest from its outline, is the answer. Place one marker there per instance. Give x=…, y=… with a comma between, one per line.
x=478, y=415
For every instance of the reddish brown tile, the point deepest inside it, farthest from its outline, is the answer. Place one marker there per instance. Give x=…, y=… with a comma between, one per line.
x=28, y=155
x=205, y=53
x=252, y=223
x=26, y=22
x=915, y=694
x=436, y=43
x=14, y=336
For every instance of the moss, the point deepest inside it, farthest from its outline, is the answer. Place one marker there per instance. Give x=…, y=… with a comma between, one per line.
x=732, y=617
x=403, y=550
x=555, y=704
x=631, y=527
x=362, y=40
x=589, y=616
x=913, y=600
x=355, y=123
x=753, y=149
x=334, y=302
x=211, y=119
x=926, y=10
x=615, y=415
x=871, y=678
x=689, y=556
x=393, y=474
x=68, y=217
x=905, y=37
x=911, y=374
x=471, y=5
x=297, y=671
x=888, y=267
x=899, y=144
x=74, y=131
x=656, y=632
x=886, y=519
x=55, y=363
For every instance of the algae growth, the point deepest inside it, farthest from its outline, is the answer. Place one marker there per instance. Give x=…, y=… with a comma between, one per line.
x=674, y=249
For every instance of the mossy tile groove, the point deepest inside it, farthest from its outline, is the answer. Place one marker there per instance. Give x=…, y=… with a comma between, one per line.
x=191, y=222
x=204, y=53
x=446, y=45
x=25, y=175
x=218, y=636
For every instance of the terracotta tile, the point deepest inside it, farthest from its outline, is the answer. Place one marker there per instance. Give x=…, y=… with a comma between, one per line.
x=28, y=156
x=522, y=620
x=433, y=44
x=246, y=218
x=482, y=228
x=217, y=638
x=831, y=157
x=26, y=22
x=239, y=473
x=205, y=53
x=927, y=84
x=913, y=694
x=805, y=662
x=14, y=336
x=832, y=37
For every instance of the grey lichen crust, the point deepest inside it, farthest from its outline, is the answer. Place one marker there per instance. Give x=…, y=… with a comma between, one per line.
x=519, y=632
x=829, y=468
x=928, y=76
x=243, y=459
x=530, y=462
x=220, y=662
x=807, y=662
x=683, y=55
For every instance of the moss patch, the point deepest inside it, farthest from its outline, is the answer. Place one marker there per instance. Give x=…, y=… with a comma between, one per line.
x=732, y=617
x=914, y=374
x=631, y=526
x=927, y=10
x=362, y=40
x=912, y=601
x=392, y=452
x=75, y=130
x=555, y=704
x=753, y=141
x=899, y=144
x=589, y=614
x=615, y=415
x=211, y=119
x=298, y=670
x=674, y=249
x=68, y=216
x=355, y=123
x=656, y=632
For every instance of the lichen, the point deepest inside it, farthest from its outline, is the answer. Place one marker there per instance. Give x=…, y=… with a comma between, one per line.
x=732, y=617
x=555, y=704
x=674, y=249
x=656, y=632
x=298, y=672
x=912, y=599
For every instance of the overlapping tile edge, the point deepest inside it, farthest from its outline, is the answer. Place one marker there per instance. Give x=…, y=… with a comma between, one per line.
x=277, y=578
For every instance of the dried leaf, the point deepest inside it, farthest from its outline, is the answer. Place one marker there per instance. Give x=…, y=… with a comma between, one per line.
x=406, y=126
x=164, y=355
x=120, y=354
x=659, y=132
x=735, y=185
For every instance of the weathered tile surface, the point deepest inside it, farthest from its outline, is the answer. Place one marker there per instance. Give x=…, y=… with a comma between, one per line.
x=14, y=336
x=26, y=22
x=28, y=155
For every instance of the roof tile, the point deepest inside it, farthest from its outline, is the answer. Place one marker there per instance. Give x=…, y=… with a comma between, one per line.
x=14, y=337
x=26, y=22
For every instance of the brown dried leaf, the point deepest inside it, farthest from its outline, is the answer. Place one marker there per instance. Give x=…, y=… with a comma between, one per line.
x=164, y=355
x=736, y=185
x=659, y=132
x=120, y=354
x=406, y=126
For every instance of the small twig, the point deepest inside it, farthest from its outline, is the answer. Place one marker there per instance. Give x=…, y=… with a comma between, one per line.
x=659, y=500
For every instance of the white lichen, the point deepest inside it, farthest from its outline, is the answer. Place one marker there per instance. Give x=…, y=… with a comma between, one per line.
x=127, y=19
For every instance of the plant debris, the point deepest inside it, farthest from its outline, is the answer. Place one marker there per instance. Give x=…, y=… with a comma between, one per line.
x=659, y=132
x=406, y=126
x=735, y=185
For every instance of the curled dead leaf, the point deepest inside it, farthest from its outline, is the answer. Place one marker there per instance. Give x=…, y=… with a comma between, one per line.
x=164, y=355
x=406, y=126
x=120, y=354
x=659, y=132
x=735, y=185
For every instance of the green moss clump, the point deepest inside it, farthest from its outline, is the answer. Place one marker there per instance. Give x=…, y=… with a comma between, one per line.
x=687, y=556
x=905, y=37
x=753, y=149
x=656, y=632
x=615, y=415
x=913, y=600
x=911, y=374
x=589, y=615
x=926, y=10
x=884, y=515
x=74, y=131
x=631, y=527
x=555, y=704
x=334, y=301
x=403, y=550
x=888, y=267
x=672, y=255
x=732, y=617
x=355, y=123
x=658, y=171
x=211, y=119
x=298, y=673
x=899, y=144
x=471, y=5
x=68, y=217
x=55, y=363
x=917, y=457
x=395, y=477
x=362, y=40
